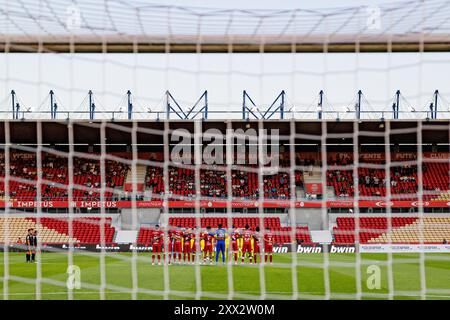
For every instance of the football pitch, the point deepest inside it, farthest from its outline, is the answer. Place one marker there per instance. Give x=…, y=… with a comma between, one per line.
x=112, y=277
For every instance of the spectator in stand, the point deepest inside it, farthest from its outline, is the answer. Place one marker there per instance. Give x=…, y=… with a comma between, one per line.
x=376, y=181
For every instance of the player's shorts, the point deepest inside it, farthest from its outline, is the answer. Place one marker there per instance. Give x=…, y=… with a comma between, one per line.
x=247, y=247
x=257, y=248
x=177, y=247
x=187, y=247
x=268, y=248
x=208, y=248
x=234, y=246
x=156, y=247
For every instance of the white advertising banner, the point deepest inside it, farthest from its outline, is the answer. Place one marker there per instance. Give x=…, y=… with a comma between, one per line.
x=403, y=248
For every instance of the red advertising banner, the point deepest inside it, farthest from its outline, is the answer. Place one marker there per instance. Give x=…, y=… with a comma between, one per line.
x=304, y=155
x=223, y=204
x=129, y=187
x=375, y=156
x=313, y=188
x=436, y=155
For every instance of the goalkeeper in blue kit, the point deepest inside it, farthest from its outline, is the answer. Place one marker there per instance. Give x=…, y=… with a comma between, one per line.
x=220, y=244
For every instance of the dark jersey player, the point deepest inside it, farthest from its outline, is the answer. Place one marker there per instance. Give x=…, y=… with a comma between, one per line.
x=29, y=243
x=34, y=247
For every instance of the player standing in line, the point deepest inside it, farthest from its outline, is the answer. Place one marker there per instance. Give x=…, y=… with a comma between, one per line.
x=202, y=236
x=257, y=245
x=177, y=244
x=187, y=237
x=168, y=246
x=208, y=238
x=233, y=245
x=268, y=245
x=157, y=238
x=220, y=235
x=196, y=247
x=247, y=243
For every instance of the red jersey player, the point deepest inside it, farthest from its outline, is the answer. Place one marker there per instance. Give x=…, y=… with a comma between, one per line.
x=208, y=238
x=187, y=237
x=168, y=246
x=247, y=236
x=256, y=244
x=196, y=248
x=234, y=247
x=268, y=245
x=156, y=237
x=177, y=236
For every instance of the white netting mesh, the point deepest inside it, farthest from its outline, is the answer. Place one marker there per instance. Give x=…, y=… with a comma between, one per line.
x=166, y=85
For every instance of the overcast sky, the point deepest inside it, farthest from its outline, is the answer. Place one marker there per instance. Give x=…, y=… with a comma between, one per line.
x=378, y=75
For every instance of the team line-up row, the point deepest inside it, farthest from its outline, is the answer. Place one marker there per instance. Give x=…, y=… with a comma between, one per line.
x=190, y=245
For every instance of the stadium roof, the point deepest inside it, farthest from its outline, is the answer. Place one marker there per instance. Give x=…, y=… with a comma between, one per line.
x=134, y=26
x=151, y=133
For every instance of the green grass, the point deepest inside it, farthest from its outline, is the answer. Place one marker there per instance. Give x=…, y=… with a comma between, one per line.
x=309, y=273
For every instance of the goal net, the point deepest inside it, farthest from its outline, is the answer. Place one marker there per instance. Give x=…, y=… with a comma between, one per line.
x=313, y=142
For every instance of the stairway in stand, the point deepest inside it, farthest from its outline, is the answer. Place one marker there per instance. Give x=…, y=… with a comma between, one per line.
x=141, y=172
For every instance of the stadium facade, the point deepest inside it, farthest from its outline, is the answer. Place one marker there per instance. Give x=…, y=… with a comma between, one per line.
x=312, y=190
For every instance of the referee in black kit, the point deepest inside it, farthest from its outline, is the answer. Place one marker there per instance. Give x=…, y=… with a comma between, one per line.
x=29, y=243
x=34, y=245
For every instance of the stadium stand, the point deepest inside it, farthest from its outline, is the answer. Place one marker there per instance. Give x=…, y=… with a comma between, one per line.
x=434, y=230
x=403, y=230
x=17, y=228
x=374, y=230
x=372, y=184
x=403, y=179
x=86, y=174
x=56, y=230
x=189, y=222
x=372, y=181
x=244, y=184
